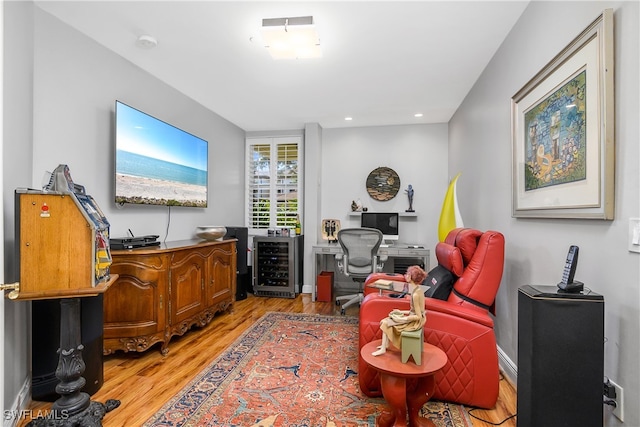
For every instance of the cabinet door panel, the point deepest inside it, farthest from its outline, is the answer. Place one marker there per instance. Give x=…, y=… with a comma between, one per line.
x=134, y=304
x=187, y=285
x=222, y=275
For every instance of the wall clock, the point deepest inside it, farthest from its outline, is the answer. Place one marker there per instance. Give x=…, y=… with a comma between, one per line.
x=383, y=184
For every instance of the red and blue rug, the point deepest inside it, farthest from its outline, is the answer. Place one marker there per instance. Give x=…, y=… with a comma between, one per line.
x=287, y=370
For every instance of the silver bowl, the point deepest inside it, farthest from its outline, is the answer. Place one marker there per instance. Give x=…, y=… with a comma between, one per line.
x=211, y=232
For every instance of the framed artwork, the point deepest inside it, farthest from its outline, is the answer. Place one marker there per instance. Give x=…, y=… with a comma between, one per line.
x=562, y=124
x=329, y=229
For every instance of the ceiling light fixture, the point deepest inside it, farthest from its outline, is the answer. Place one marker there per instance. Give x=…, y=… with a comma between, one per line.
x=146, y=42
x=417, y=115
x=291, y=38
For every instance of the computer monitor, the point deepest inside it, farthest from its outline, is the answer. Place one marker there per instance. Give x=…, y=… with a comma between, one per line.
x=386, y=222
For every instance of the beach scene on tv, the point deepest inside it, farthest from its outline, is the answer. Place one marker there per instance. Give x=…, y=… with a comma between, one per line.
x=157, y=163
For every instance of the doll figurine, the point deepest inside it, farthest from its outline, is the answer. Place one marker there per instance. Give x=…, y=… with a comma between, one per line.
x=405, y=320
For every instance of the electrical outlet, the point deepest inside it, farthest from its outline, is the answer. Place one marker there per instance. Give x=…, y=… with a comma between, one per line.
x=618, y=411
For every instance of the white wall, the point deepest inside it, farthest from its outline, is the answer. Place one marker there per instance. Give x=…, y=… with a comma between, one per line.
x=76, y=83
x=16, y=170
x=337, y=163
x=417, y=153
x=312, y=199
x=2, y=405
x=60, y=88
x=480, y=147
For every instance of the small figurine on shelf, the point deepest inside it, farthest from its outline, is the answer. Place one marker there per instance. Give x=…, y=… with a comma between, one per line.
x=409, y=192
x=356, y=206
x=405, y=320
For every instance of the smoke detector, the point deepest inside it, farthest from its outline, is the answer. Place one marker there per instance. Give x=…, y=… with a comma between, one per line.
x=146, y=41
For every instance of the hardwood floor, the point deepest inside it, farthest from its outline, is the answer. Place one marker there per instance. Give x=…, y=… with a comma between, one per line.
x=143, y=382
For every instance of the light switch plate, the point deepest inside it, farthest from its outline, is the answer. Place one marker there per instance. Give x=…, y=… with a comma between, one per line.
x=634, y=235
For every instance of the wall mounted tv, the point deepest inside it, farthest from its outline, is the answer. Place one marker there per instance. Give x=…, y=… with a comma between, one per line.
x=157, y=163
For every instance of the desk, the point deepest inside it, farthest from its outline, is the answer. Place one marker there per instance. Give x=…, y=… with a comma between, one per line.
x=405, y=385
x=320, y=252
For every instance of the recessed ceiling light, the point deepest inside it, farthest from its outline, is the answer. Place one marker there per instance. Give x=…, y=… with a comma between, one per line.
x=417, y=115
x=348, y=118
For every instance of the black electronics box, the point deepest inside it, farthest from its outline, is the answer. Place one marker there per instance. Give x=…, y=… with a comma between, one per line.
x=134, y=242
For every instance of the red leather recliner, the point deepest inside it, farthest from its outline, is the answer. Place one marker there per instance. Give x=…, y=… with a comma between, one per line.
x=461, y=326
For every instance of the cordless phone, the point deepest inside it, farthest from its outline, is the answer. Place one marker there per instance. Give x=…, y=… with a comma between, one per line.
x=568, y=284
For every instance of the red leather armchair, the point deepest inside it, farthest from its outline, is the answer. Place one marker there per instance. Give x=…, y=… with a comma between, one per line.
x=461, y=325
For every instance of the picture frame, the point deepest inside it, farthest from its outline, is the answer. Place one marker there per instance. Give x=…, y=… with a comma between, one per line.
x=562, y=131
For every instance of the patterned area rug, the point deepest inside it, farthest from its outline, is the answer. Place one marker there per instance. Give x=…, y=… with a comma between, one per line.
x=289, y=370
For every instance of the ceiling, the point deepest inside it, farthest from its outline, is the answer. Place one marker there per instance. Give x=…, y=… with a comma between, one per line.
x=383, y=61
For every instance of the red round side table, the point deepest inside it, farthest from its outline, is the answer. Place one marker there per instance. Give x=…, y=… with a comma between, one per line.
x=405, y=385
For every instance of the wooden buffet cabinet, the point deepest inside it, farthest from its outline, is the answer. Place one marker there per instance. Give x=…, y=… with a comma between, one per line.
x=164, y=290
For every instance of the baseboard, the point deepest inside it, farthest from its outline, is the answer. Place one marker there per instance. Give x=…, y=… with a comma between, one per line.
x=338, y=288
x=508, y=368
x=17, y=411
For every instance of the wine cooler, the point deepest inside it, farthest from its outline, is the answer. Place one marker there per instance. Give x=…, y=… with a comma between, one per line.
x=277, y=266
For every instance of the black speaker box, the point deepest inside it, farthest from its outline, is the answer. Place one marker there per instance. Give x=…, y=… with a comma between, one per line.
x=242, y=234
x=243, y=283
x=243, y=280
x=560, y=358
x=45, y=332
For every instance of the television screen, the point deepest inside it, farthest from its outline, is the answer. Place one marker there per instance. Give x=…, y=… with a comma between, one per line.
x=157, y=163
x=387, y=223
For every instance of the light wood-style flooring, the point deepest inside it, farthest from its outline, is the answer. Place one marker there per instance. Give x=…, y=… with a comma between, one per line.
x=143, y=382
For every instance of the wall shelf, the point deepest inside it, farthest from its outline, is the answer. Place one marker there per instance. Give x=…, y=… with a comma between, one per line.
x=359, y=213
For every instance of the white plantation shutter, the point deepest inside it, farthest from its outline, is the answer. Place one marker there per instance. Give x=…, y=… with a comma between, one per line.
x=274, y=186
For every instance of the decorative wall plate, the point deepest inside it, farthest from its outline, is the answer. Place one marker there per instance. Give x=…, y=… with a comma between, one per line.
x=383, y=184
x=330, y=228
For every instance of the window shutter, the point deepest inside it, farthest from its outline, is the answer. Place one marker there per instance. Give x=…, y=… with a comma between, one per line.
x=287, y=185
x=259, y=184
x=273, y=182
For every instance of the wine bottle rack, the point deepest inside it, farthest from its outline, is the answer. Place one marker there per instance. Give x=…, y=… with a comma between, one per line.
x=277, y=266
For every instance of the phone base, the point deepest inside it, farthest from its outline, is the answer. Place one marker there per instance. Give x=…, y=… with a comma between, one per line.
x=572, y=287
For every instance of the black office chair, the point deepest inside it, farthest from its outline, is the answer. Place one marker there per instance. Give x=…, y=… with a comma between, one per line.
x=359, y=259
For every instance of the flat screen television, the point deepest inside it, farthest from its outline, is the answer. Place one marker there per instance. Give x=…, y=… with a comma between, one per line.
x=157, y=163
x=386, y=222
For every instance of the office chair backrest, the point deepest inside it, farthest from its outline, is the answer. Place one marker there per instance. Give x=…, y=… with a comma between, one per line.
x=360, y=247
